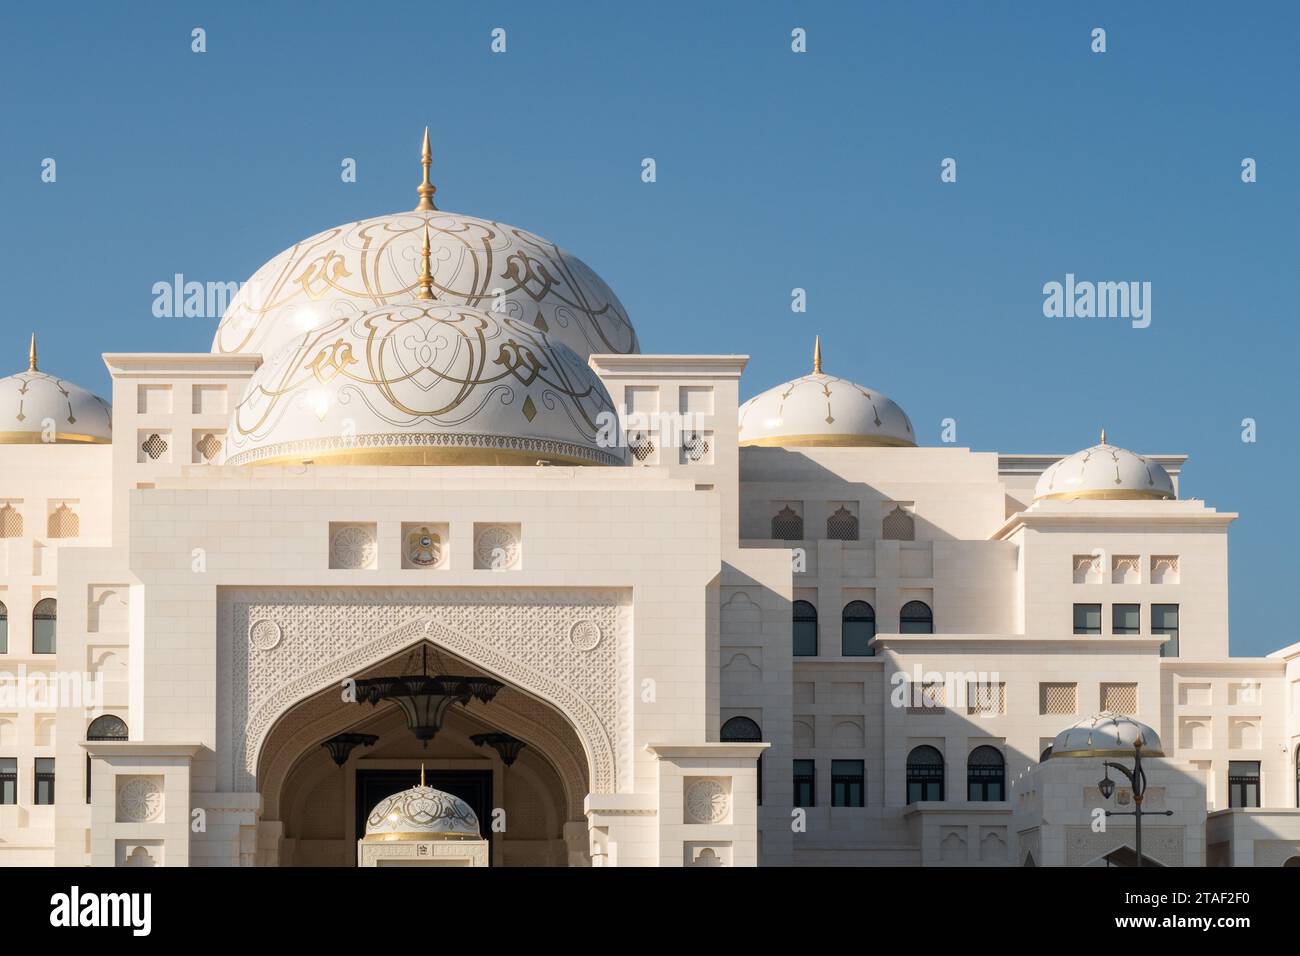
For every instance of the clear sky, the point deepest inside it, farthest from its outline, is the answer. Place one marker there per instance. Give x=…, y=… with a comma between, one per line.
x=775, y=170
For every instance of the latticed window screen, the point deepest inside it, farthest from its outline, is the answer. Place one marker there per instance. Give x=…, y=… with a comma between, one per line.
x=11, y=522
x=1120, y=698
x=155, y=446
x=842, y=526
x=925, y=698
x=207, y=446
x=787, y=526
x=898, y=526
x=641, y=445
x=986, y=698
x=1058, y=698
x=695, y=447
x=64, y=523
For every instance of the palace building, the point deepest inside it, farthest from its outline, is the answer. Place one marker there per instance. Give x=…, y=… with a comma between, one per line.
x=381, y=579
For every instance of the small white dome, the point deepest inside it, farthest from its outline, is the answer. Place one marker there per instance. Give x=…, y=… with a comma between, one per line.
x=822, y=410
x=423, y=383
x=1106, y=735
x=361, y=266
x=422, y=813
x=39, y=408
x=1104, y=472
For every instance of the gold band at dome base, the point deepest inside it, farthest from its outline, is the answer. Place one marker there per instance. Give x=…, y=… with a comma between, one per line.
x=1122, y=494
x=417, y=837
x=427, y=449
x=1107, y=753
x=827, y=441
x=61, y=438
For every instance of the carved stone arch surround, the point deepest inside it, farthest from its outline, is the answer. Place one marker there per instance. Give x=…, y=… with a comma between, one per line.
x=285, y=747
x=520, y=635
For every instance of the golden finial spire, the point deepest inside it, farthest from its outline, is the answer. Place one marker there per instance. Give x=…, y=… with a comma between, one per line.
x=31, y=355
x=1103, y=436
x=426, y=189
x=426, y=277
x=422, y=773
x=817, y=355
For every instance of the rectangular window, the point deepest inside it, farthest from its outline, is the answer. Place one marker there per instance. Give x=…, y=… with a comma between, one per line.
x=1087, y=619
x=1243, y=783
x=1164, y=621
x=8, y=780
x=1126, y=619
x=44, y=791
x=847, y=783
x=805, y=783
x=1058, y=699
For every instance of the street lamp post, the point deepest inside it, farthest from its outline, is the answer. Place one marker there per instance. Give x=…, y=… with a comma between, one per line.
x=1138, y=778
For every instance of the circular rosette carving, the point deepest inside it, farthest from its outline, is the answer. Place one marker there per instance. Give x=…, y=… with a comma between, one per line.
x=140, y=800
x=265, y=635
x=352, y=547
x=496, y=549
x=584, y=635
x=707, y=801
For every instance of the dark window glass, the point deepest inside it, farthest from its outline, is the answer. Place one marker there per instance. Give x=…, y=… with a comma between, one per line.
x=1087, y=619
x=848, y=778
x=805, y=629
x=916, y=618
x=805, y=783
x=45, y=619
x=924, y=775
x=8, y=780
x=1164, y=621
x=4, y=628
x=105, y=727
x=744, y=730
x=986, y=775
x=1243, y=783
x=44, y=795
x=1126, y=619
x=858, y=627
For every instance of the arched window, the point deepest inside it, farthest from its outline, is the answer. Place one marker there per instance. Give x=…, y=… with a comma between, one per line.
x=11, y=522
x=4, y=628
x=986, y=775
x=858, y=627
x=106, y=727
x=898, y=525
x=45, y=620
x=842, y=526
x=805, y=629
x=744, y=730
x=924, y=774
x=1045, y=754
x=787, y=525
x=916, y=618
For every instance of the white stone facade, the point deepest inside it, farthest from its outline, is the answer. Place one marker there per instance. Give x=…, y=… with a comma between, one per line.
x=650, y=622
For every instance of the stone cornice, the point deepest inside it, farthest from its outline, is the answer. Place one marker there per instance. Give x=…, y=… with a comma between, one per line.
x=159, y=364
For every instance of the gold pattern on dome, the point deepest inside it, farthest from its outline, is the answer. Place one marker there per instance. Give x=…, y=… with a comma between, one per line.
x=400, y=382
x=347, y=271
x=31, y=400
x=826, y=388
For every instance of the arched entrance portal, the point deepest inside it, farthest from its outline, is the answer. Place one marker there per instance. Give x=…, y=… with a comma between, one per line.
x=313, y=809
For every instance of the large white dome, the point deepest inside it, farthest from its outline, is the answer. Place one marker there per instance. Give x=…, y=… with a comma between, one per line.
x=823, y=410
x=424, y=383
x=1104, y=471
x=344, y=272
x=39, y=408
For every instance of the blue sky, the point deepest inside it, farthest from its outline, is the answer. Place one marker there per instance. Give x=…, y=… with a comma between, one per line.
x=775, y=171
